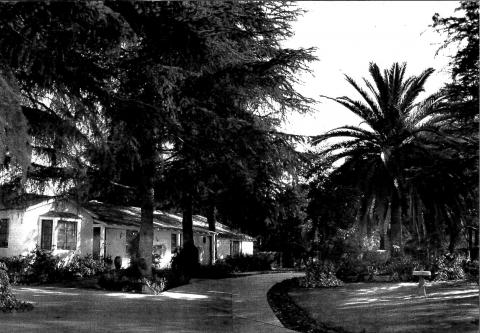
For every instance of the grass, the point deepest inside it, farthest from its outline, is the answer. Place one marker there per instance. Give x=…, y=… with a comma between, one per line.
x=293, y=316
x=377, y=307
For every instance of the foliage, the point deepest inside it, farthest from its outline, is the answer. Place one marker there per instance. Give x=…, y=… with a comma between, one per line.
x=320, y=274
x=402, y=158
x=42, y=267
x=219, y=270
x=448, y=267
x=462, y=33
x=368, y=268
x=248, y=263
x=138, y=89
x=8, y=301
x=332, y=205
x=400, y=269
x=471, y=270
x=185, y=262
x=285, y=227
x=81, y=267
x=461, y=116
x=131, y=279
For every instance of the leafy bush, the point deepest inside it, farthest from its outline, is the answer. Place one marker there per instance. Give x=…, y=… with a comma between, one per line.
x=248, y=263
x=42, y=267
x=471, y=270
x=399, y=268
x=351, y=269
x=81, y=267
x=448, y=267
x=318, y=274
x=219, y=270
x=130, y=279
x=8, y=301
x=16, y=268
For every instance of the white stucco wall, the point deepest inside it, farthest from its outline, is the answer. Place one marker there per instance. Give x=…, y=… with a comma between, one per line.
x=202, y=242
x=163, y=237
x=25, y=226
x=246, y=247
x=223, y=247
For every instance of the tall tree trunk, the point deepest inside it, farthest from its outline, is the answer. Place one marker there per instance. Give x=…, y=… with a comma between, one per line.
x=147, y=195
x=212, y=227
x=145, y=241
x=470, y=243
x=187, y=222
x=475, y=248
x=396, y=224
x=190, y=252
x=382, y=233
x=211, y=217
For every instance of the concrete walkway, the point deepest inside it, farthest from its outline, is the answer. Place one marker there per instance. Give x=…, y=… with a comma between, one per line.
x=226, y=305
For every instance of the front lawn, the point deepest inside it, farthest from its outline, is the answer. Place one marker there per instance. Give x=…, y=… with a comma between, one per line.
x=393, y=307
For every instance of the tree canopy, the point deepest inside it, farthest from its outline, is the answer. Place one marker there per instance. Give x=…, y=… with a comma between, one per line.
x=136, y=96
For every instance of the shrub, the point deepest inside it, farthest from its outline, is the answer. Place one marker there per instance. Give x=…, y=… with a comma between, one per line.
x=166, y=278
x=42, y=267
x=352, y=269
x=16, y=268
x=471, y=270
x=219, y=270
x=248, y=263
x=318, y=274
x=400, y=268
x=81, y=267
x=448, y=267
x=8, y=301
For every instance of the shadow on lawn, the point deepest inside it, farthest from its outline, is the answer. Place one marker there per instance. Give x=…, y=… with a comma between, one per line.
x=449, y=307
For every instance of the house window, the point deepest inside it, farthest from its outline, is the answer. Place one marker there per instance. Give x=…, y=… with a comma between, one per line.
x=235, y=248
x=67, y=235
x=3, y=232
x=174, y=243
x=46, y=235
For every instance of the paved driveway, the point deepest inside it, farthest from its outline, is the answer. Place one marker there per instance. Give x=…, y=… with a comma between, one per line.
x=227, y=305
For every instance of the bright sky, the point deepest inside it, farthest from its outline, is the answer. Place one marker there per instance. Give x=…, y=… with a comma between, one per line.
x=349, y=35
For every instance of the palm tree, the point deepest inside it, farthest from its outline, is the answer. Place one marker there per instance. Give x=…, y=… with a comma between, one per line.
x=395, y=128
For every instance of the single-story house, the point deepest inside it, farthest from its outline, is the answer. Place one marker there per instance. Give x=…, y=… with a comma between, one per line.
x=104, y=230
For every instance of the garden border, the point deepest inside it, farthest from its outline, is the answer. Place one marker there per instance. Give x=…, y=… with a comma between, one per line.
x=293, y=316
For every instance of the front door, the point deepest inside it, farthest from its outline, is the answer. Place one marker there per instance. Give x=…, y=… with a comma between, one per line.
x=96, y=243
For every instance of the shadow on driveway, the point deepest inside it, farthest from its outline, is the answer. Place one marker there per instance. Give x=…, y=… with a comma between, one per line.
x=228, y=305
